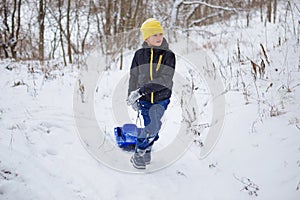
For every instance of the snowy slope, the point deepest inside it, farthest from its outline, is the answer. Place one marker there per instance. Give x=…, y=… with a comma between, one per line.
x=256, y=157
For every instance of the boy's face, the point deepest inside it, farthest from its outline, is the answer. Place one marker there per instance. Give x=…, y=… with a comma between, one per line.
x=155, y=40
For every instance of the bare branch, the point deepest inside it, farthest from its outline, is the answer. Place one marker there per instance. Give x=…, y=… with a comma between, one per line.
x=210, y=5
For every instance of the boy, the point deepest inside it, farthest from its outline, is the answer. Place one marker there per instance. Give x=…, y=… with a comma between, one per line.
x=150, y=87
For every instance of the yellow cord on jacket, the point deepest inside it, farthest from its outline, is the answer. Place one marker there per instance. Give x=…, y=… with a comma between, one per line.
x=159, y=62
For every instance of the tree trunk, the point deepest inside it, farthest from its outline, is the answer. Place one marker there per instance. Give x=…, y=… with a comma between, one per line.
x=261, y=11
x=61, y=31
x=108, y=18
x=87, y=29
x=12, y=37
x=68, y=32
x=5, y=22
x=274, y=10
x=269, y=11
x=41, y=18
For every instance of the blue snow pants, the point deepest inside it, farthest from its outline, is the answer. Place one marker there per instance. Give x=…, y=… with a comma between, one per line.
x=152, y=114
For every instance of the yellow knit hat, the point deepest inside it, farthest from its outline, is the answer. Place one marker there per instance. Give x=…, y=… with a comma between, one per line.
x=150, y=27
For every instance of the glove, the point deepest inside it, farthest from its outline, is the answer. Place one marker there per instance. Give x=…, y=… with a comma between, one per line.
x=133, y=97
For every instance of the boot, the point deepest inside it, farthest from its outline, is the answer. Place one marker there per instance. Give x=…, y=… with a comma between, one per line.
x=137, y=159
x=147, y=156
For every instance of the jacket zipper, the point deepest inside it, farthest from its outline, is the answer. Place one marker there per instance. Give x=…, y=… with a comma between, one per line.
x=151, y=70
x=151, y=75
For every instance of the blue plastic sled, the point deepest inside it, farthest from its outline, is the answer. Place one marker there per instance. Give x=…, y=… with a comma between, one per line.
x=126, y=136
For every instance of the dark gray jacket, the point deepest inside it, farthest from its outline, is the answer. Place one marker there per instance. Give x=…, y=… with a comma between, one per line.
x=152, y=72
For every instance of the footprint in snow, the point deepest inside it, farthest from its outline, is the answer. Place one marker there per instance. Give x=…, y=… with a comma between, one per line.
x=51, y=152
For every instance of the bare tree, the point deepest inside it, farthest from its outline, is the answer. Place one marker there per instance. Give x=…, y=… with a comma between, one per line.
x=68, y=31
x=61, y=30
x=11, y=29
x=6, y=28
x=274, y=10
x=87, y=28
x=269, y=10
x=62, y=19
x=41, y=22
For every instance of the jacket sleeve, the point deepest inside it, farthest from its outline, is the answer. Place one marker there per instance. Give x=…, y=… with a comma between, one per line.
x=165, y=78
x=133, y=78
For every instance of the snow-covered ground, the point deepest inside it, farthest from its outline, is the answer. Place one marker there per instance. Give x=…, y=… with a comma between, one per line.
x=256, y=157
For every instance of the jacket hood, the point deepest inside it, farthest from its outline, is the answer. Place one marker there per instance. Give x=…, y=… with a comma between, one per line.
x=164, y=45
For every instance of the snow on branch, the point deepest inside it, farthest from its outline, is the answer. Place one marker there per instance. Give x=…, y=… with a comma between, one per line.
x=209, y=5
x=174, y=12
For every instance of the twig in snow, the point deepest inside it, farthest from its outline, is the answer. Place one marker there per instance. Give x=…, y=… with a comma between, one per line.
x=254, y=69
x=295, y=86
x=262, y=69
x=298, y=186
x=265, y=53
x=213, y=165
x=256, y=89
x=18, y=83
x=8, y=67
x=7, y=175
x=274, y=111
x=245, y=93
x=238, y=51
x=253, y=129
x=248, y=185
x=81, y=90
x=180, y=173
x=271, y=84
x=198, y=142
